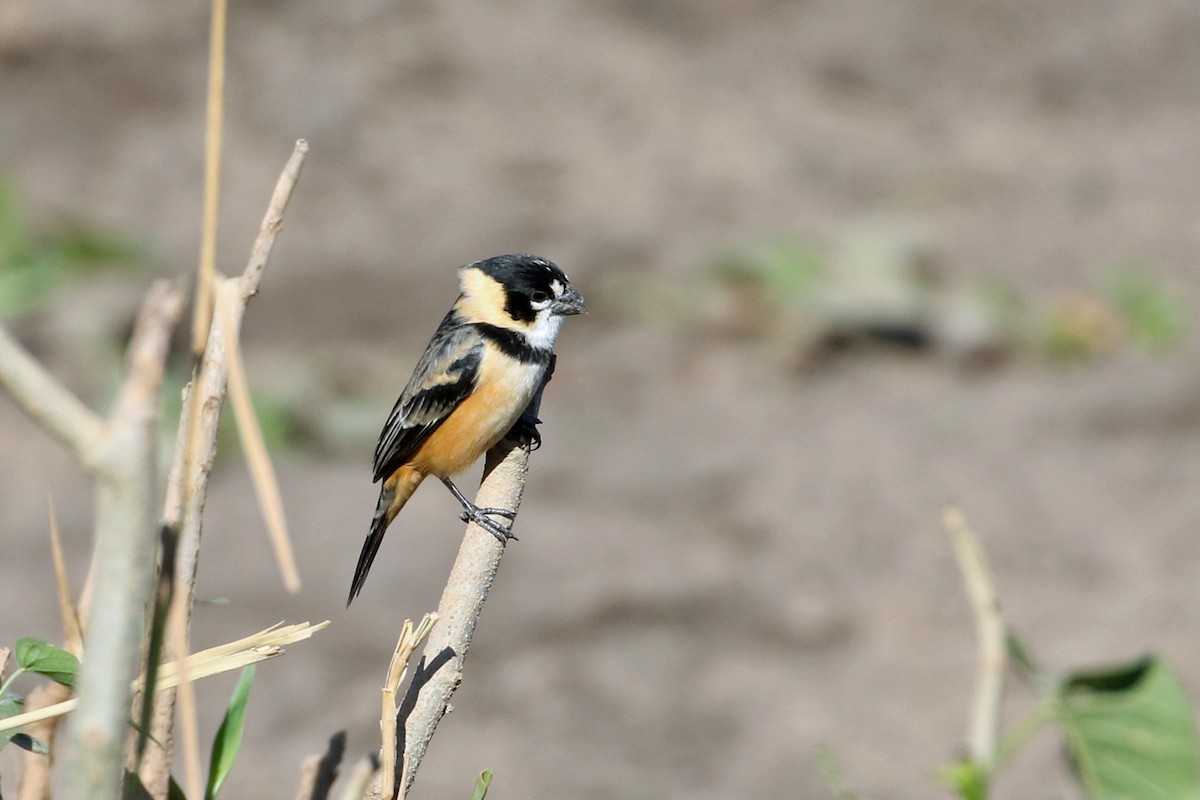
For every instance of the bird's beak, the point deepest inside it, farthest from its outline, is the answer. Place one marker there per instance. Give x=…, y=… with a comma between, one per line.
x=570, y=303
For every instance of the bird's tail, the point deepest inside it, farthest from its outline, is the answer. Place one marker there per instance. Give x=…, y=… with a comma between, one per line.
x=392, y=497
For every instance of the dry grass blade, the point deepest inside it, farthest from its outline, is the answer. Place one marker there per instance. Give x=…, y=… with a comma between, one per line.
x=212, y=179
x=262, y=472
x=202, y=313
x=72, y=629
x=213, y=661
x=410, y=640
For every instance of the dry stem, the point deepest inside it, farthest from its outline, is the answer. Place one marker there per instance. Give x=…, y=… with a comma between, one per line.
x=119, y=453
x=262, y=472
x=984, y=730
x=187, y=486
x=410, y=639
x=122, y=458
x=72, y=628
x=440, y=669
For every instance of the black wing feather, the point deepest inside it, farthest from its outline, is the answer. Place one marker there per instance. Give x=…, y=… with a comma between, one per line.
x=442, y=379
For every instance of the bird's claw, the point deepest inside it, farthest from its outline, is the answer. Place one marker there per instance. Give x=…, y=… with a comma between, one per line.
x=502, y=534
x=525, y=433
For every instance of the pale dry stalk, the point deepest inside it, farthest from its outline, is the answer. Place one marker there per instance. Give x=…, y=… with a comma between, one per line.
x=187, y=484
x=439, y=671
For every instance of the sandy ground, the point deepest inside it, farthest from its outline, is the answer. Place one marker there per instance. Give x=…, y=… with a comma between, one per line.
x=725, y=562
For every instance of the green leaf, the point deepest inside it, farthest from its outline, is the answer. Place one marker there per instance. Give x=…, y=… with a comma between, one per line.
x=481, y=785
x=44, y=658
x=229, y=736
x=27, y=742
x=1131, y=733
x=10, y=706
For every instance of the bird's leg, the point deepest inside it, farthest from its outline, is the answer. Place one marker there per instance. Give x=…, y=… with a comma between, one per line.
x=473, y=513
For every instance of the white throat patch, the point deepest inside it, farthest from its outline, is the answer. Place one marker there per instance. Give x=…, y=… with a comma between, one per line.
x=544, y=330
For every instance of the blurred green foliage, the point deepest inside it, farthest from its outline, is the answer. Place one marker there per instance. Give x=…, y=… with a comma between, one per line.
x=1155, y=318
x=786, y=270
x=1136, y=308
x=33, y=262
x=882, y=280
x=1129, y=730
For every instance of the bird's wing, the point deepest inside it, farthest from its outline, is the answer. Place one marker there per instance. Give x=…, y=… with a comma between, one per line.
x=443, y=378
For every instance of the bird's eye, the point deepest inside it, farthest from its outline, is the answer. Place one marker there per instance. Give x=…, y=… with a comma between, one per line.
x=539, y=296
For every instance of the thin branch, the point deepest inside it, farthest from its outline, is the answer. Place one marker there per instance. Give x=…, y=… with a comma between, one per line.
x=51, y=405
x=984, y=729
x=124, y=463
x=272, y=221
x=440, y=669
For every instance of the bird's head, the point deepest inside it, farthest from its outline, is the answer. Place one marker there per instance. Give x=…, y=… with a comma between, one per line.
x=521, y=292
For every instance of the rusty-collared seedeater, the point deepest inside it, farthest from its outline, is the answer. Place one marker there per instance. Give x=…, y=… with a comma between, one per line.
x=474, y=384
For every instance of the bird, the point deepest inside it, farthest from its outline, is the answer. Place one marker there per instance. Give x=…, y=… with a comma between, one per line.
x=485, y=364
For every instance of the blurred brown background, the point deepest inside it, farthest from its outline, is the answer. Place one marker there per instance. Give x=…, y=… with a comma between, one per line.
x=847, y=262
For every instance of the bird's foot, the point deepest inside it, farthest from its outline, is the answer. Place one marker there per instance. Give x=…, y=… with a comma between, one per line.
x=524, y=432
x=472, y=513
